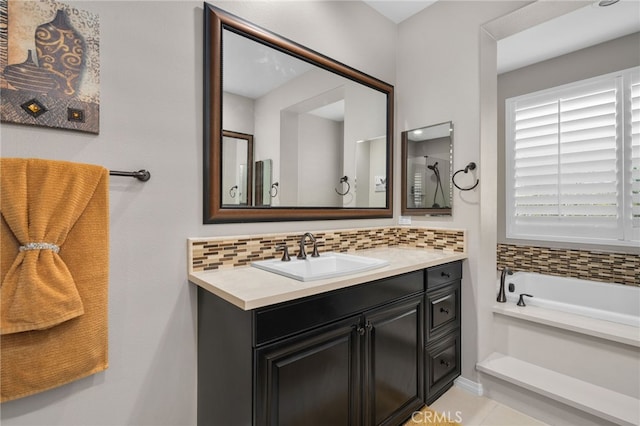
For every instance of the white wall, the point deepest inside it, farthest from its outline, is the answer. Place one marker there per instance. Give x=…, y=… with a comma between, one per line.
x=151, y=117
x=438, y=68
x=319, y=161
x=238, y=114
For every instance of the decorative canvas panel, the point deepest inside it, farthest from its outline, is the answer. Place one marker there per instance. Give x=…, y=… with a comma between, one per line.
x=49, y=65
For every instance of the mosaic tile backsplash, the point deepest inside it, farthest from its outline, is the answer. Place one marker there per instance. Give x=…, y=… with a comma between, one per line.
x=618, y=268
x=228, y=252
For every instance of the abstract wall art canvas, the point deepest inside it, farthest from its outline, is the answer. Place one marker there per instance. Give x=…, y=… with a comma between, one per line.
x=49, y=65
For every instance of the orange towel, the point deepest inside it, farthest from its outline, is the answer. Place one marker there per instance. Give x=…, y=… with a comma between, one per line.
x=54, y=270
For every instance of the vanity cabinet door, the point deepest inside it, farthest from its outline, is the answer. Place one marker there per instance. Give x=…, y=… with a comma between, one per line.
x=394, y=360
x=442, y=365
x=311, y=379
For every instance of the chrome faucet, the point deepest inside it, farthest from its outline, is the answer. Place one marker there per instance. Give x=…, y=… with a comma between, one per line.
x=302, y=254
x=502, y=298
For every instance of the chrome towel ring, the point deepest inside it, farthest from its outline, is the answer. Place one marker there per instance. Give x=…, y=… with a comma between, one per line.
x=470, y=166
x=344, y=179
x=273, y=191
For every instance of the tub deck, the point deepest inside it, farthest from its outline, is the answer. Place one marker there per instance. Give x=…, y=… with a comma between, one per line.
x=621, y=333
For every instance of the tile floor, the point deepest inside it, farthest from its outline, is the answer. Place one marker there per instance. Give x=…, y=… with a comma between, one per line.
x=472, y=410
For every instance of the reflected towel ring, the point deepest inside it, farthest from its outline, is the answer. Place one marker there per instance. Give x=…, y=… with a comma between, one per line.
x=232, y=191
x=470, y=166
x=344, y=179
x=273, y=191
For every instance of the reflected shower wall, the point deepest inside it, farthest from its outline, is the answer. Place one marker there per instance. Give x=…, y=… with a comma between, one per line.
x=428, y=173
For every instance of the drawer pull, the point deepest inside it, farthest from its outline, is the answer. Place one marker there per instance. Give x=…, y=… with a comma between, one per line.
x=445, y=274
x=446, y=311
x=445, y=363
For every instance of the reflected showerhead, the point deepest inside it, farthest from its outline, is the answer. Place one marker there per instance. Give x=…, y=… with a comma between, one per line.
x=434, y=167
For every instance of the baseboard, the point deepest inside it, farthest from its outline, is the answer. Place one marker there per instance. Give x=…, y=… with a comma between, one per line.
x=470, y=386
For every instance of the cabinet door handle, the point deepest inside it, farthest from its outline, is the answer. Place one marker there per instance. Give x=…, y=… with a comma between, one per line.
x=445, y=363
x=369, y=326
x=361, y=331
x=446, y=311
x=445, y=274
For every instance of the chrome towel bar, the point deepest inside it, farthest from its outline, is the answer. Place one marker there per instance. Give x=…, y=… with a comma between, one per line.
x=142, y=175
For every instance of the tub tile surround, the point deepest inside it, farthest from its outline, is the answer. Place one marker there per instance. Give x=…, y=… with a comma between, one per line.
x=206, y=254
x=600, y=266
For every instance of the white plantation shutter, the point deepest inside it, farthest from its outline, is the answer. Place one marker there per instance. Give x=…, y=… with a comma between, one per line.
x=565, y=162
x=635, y=157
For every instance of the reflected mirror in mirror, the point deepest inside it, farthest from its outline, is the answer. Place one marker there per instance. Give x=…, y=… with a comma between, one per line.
x=324, y=128
x=237, y=165
x=264, y=189
x=427, y=156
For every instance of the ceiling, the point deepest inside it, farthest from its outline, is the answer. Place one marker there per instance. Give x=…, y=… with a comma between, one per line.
x=582, y=28
x=399, y=10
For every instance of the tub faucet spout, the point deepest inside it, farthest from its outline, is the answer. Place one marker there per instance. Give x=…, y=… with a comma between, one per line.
x=502, y=297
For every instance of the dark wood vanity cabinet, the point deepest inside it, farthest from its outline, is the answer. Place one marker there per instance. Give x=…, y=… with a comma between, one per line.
x=354, y=356
x=442, y=350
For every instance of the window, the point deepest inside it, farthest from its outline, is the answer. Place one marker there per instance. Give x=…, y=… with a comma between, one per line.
x=573, y=162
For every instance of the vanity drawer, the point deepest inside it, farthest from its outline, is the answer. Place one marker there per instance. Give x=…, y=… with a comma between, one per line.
x=443, y=274
x=289, y=318
x=443, y=310
x=442, y=365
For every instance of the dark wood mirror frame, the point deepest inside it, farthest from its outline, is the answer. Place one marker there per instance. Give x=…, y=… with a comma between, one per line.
x=214, y=212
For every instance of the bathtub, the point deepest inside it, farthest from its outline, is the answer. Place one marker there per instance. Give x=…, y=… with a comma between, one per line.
x=610, y=302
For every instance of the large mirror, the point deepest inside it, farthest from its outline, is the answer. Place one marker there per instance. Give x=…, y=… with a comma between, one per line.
x=427, y=159
x=322, y=130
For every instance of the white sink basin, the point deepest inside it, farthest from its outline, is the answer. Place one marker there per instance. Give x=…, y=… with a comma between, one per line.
x=328, y=265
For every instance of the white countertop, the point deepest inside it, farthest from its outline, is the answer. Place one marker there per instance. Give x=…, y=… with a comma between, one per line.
x=250, y=288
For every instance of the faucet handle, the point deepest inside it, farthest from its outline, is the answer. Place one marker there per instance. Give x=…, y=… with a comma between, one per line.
x=315, y=250
x=507, y=270
x=521, y=299
x=285, y=249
